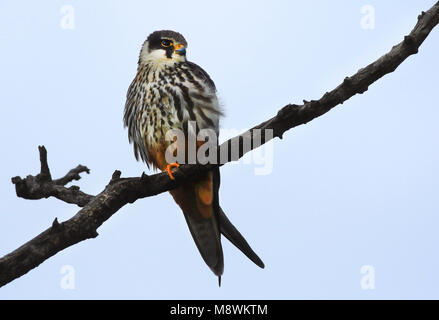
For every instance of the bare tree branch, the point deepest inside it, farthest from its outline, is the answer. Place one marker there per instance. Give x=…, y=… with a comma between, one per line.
x=71, y=175
x=42, y=185
x=120, y=191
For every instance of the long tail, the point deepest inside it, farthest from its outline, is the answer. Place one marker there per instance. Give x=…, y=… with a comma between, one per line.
x=199, y=201
x=235, y=237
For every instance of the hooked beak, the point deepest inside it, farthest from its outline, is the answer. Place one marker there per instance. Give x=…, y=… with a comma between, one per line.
x=180, y=49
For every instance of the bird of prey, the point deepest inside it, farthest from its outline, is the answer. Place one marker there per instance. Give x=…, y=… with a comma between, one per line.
x=167, y=93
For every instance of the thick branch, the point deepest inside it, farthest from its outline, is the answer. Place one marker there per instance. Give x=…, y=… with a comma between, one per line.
x=97, y=209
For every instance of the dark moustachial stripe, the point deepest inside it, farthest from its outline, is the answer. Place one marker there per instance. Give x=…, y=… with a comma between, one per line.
x=169, y=52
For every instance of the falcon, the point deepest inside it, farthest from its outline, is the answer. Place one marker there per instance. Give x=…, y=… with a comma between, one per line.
x=168, y=93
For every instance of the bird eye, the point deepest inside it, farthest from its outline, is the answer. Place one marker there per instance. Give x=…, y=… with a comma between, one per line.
x=166, y=43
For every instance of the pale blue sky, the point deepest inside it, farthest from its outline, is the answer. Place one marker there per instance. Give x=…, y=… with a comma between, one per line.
x=358, y=186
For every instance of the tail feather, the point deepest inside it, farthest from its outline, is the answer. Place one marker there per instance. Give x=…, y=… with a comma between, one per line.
x=198, y=200
x=235, y=237
x=207, y=238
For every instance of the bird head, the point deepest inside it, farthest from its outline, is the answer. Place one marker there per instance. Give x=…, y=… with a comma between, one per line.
x=163, y=47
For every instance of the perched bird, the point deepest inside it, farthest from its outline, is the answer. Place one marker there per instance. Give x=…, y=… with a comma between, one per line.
x=167, y=93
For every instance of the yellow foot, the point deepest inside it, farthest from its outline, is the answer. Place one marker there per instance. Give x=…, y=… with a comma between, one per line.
x=169, y=169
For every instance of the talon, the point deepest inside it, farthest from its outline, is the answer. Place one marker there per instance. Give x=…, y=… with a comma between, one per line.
x=169, y=169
